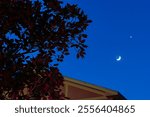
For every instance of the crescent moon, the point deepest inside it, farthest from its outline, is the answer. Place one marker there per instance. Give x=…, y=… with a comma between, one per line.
x=119, y=58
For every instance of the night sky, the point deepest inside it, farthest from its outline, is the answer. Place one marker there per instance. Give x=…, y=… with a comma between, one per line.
x=118, y=56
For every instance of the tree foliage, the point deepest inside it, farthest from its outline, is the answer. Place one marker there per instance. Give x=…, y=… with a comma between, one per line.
x=45, y=28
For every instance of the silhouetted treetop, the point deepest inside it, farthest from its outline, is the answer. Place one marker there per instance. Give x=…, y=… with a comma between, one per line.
x=45, y=28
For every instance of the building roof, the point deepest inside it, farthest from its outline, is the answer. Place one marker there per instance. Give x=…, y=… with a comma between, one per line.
x=76, y=89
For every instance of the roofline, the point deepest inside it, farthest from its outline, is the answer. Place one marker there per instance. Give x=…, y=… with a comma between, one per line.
x=114, y=92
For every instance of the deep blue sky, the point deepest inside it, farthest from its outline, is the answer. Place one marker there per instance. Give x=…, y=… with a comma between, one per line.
x=114, y=21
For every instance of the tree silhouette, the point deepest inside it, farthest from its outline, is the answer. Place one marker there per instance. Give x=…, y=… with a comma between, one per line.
x=34, y=37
